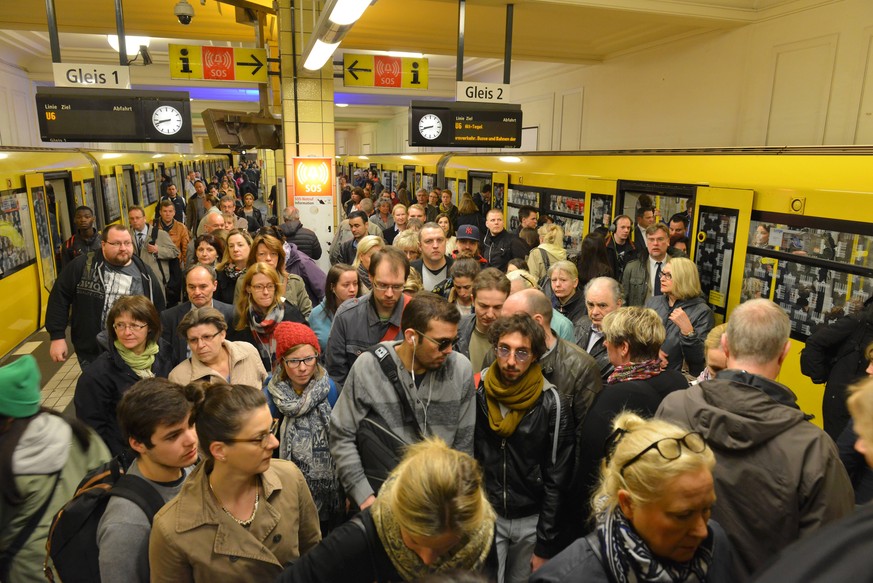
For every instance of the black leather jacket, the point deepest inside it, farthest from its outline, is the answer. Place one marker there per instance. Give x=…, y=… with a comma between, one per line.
x=529, y=472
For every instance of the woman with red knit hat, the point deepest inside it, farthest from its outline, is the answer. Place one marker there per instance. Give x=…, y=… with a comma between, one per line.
x=304, y=395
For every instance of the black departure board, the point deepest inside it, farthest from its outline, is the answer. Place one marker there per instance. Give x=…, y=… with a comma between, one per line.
x=104, y=115
x=469, y=125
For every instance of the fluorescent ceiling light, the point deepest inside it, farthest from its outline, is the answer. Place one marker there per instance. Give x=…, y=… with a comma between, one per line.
x=132, y=43
x=407, y=158
x=319, y=55
x=3, y=156
x=362, y=158
x=348, y=11
x=341, y=104
x=403, y=54
x=510, y=159
x=108, y=156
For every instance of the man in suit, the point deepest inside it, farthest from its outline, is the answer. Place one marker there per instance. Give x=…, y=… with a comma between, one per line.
x=156, y=249
x=645, y=216
x=200, y=283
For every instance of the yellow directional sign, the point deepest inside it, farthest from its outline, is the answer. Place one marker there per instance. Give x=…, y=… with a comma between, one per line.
x=218, y=63
x=384, y=71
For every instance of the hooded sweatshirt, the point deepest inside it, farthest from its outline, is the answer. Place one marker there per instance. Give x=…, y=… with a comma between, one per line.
x=778, y=477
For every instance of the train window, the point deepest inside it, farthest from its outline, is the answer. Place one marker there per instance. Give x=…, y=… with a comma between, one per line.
x=600, y=212
x=149, y=188
x=427, y=181
x=17, y=250
x=567, y=208
x=88, y=192
x=111, y=204
x=816, y=269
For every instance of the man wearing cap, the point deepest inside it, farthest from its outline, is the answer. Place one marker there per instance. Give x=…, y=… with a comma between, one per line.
x=45, y=461
x=431, y=395
x=467, y=244
x=86, y=289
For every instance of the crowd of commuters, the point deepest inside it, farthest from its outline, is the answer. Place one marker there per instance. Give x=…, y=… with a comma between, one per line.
x=450, y=397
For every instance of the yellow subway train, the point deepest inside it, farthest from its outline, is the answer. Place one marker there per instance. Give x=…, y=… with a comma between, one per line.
x=791, y=224
x=39, y=192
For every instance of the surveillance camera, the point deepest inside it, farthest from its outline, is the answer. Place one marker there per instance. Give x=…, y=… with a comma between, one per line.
x=184, y=12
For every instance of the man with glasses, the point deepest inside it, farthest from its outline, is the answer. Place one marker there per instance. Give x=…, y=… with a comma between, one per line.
x=201, y=281
x=524, y=442
x=88, y=286
x=778, y=476
x=372, y=318
x=642, y=276
x=400, y=393
x=434, y=263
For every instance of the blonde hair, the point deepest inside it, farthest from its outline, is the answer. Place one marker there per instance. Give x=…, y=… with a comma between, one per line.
x=713, y=339
x=437, y=490
x=645, y=478
x=642, y=329
x=413, y=283
x=686, y=279
x=567, y=267
x=860, y=405
x=407, y=241
x=244, y=302
x=523, y=275
x=551, y=233
x=365, y=245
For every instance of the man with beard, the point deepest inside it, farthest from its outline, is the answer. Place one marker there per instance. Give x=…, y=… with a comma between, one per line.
x=87, y=288
x=407, y=390
x=467, y=244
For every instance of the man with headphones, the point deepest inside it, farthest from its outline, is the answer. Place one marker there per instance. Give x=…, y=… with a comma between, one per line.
x=400, y=392
x=620, y=248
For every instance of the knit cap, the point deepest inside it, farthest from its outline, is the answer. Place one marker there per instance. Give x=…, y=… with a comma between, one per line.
x=290, y=334
x=19, y=388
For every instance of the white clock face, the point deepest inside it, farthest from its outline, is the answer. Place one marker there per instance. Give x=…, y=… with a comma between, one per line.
x=430, y=126
x=167, y=120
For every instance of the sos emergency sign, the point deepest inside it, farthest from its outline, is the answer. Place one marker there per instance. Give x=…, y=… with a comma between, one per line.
x=312, y=177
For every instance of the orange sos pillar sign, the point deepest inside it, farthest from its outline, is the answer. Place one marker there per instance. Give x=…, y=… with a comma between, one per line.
x=313, y=179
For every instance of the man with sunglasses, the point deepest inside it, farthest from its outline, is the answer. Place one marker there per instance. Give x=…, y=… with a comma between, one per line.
x=88, y=286
x=778, y=476
x=525, y=444
x=372, y=318
x=400, y=393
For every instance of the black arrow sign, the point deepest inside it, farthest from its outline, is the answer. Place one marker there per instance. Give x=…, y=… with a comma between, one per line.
x=257, y=64
x=352, y=70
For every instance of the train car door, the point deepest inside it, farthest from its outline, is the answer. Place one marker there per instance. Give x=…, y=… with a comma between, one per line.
x=60, y=196
x=409, y=179
x=78, y=177
x=125, y=195
x=41, y=219
x=721, y=225
x=499, y=186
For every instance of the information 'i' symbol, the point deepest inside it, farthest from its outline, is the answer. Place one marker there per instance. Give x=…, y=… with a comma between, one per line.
x=185, y=61
x=415, y=80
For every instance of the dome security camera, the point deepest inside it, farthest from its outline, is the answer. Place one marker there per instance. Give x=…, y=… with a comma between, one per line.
x=184, y=12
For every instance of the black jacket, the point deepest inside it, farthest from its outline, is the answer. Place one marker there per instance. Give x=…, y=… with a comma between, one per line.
x=500, y=249
x=170, y=319
x=77, y=299
x=582, y=331
x=529, y=472
x=418, y=264
x=101, y=386
x=292, y=314
x=256, y=221
x=574, y=309
x=305, y=239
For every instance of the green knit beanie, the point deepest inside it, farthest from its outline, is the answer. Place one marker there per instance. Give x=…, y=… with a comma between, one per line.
x=19, y=388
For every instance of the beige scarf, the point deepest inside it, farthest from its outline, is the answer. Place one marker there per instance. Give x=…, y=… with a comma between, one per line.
x=468, y=555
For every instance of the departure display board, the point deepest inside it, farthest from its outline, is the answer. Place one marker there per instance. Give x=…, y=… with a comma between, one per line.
x=469, y=125
x=101, y=115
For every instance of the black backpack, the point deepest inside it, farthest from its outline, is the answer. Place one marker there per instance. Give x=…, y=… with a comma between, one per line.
x=72, y=539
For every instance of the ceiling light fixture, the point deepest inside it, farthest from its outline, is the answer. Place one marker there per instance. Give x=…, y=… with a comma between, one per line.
x=132, y=44
x=348, y=11
x=341, y=104
x=319, y=54
x=510, y=159
x=404, y=54
x=335, y=21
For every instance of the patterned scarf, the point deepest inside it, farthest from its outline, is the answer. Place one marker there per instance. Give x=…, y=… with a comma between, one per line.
x=262, y=329
x=467, y=555
x=305, y=438
x=635, y=371
x=141, y=364
x=232, y=272
x=518, y=398
x=628, y=558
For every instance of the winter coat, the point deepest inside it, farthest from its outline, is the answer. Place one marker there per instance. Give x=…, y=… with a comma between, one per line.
x=529, y=472
x=193, y=539
x=245, y=366
x=501, y=248
x=306, y=240
x=77, y=299
x=256, y=220
x=582, y=331
x=47, y=446
x=581, y=561
x=574, y=308
x=474, y=219
x=101, y=386
x=778, y=476
x=834, y=355
x=680, y=348
x=308, y=270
